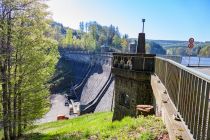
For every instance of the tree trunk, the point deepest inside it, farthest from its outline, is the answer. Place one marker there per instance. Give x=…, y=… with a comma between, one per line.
x=19, y=122
x=4, y=100
x=15, y=98
x=9, y=49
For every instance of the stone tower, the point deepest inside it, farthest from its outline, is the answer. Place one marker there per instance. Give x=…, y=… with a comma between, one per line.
x=132, y=80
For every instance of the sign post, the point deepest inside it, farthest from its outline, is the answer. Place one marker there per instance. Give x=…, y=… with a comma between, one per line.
x=190, y=46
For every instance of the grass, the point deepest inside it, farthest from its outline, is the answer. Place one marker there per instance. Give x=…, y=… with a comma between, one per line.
x=98, y=126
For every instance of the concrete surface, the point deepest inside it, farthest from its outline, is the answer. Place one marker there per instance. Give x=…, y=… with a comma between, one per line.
x=94, y=84
x=57, y=108
x=107, y=102
x=205, y=70
x=166, y=109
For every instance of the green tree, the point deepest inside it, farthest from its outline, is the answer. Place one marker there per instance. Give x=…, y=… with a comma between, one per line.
x=68, y=40
x=124, y=43
x=89, y=42
x=116, y=41
x=27, y=60
x=181, y=51
x=205, y=51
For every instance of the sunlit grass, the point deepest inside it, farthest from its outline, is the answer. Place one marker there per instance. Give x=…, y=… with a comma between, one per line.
x=98, y=126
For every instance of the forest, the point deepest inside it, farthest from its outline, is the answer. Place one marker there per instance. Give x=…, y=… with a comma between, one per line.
x=93, y=36
x=90, y=36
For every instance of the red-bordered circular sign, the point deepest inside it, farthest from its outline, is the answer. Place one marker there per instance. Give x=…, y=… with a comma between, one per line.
x=190, y=46
x=191, y=40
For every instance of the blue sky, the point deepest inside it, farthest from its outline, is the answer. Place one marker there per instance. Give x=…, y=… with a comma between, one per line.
x=165, y=19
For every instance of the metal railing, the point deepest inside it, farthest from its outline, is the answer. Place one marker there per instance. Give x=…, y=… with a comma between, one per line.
x=189, y=90
x=136, y=62
x=193, y=61
x=176, y=58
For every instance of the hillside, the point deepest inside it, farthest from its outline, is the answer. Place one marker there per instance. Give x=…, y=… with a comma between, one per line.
x=99, y=126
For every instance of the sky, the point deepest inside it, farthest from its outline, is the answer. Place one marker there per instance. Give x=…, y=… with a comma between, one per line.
x=165, y=19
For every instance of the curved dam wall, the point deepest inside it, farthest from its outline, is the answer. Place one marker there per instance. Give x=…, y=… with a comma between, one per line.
x=95, y=70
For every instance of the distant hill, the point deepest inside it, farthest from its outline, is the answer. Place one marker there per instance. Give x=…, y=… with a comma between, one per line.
x=176, y=43
x=176, y=47
x=155, y=48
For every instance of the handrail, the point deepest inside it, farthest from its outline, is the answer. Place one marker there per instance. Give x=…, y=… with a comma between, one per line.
x=189, y=90
x=192, y=71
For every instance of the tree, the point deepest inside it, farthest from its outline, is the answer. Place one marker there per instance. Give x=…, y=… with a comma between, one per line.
x=88, y=42
x=205, y=51
x=124, y=43
x=117, y=41
x=154, y=48
x=81, y=26
x=111, y=33
x=27, y=59
x=68, y=40
x=181, y=51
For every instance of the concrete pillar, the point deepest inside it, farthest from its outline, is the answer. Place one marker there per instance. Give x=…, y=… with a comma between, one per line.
x=141, y=43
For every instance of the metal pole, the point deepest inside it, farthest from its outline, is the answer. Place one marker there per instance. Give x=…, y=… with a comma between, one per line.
x=189, y=57
x=143, y=20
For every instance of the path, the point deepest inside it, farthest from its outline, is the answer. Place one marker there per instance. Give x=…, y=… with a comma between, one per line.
x=57, y=108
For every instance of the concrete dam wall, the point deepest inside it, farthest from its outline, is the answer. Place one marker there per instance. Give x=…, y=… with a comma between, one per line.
x=93, y=84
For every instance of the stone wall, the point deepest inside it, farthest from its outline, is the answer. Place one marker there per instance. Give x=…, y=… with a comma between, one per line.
x=131, y=89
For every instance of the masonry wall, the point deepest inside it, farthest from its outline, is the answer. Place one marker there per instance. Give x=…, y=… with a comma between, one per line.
x=131, y=89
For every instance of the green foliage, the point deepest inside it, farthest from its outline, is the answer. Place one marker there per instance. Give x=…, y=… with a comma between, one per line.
x=205, y=51
x=146, y=136
x=59, y=32
x=99, y=126
x=28, y=62
x=117, y=41
x=181, y=51
x=95, y=36
x=124, y=43
x=154, y=48
x=68, y=40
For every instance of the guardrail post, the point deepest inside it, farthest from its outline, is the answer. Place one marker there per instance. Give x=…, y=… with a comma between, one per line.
x=207, y=123
x=199, y=112
x=180, y=79
x=166, y=72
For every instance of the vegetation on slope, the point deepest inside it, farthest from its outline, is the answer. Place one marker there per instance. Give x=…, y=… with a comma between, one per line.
x=28, y=54
x=99, y=126
x=62, y=80
x=154, y=48
x=90, y=36
x=205, y=51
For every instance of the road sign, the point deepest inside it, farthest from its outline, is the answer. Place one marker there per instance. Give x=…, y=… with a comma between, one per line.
x=191, y=43
x=191, y=40
x=190, y=46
